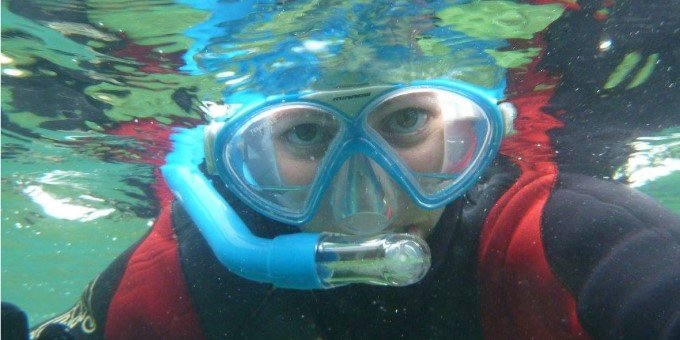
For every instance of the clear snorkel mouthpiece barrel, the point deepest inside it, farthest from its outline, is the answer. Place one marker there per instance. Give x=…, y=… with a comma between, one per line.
x=386, y=260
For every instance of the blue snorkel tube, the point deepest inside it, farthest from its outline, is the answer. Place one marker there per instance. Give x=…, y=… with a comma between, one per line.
x=298, y=261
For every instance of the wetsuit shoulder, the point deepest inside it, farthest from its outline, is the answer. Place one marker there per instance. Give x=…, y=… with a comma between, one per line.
x=86, y=319
x=618, y=252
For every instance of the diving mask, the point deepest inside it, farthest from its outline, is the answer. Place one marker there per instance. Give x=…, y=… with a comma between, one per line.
x=355, y=151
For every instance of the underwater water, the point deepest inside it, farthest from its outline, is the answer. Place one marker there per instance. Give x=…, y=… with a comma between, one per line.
x=77, y=180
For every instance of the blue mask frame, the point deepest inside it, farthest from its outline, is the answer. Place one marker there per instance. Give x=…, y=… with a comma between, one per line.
x=357, y=139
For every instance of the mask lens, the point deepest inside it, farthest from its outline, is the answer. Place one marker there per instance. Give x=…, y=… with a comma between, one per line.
x=277, y=154
x=438, y=135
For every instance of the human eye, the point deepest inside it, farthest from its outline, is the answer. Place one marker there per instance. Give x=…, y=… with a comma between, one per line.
x=306, y=135
x=405, y=121
x=308, y=139
x=406, y=126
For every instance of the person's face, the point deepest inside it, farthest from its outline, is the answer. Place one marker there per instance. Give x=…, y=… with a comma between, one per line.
x=411, y=124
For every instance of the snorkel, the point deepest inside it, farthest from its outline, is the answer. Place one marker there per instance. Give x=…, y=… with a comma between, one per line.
x=299, y=261
x=313, y=260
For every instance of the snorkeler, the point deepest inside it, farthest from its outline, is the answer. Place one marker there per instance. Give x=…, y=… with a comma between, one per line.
x=358, y=206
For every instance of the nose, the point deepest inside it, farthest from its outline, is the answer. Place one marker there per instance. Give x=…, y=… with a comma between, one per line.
x=363, y=197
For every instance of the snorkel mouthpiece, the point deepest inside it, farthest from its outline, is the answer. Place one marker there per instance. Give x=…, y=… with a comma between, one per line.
x=386, y=260
x=297, y=261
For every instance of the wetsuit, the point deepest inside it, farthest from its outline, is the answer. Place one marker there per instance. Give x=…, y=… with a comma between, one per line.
x=550, y=250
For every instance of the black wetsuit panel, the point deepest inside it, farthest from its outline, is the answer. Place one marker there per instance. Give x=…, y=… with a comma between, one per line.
x=618, y=252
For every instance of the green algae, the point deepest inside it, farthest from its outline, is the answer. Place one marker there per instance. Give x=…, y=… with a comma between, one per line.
x=645, y=72
x=489, y=20
x=622, y=70
x=42, y=41
x=163, y=24
x=514, y=59
x=500, y=19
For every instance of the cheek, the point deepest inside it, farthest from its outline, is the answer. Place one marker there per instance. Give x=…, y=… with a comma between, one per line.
x=412, y=215
x=427, y=220
x=461, y=151
x=427, y=156
x=294, y=171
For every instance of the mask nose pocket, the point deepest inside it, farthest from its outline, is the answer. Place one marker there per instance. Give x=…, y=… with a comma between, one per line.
x=363, y=197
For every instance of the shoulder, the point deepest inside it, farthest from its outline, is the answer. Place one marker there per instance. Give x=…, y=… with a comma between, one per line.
x=618, y=252
x=585, y=218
